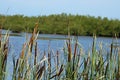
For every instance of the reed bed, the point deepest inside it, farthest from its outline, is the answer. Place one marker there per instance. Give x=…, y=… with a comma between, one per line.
x=72, y=64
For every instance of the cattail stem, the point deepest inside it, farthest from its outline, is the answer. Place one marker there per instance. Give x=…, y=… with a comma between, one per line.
x=35, y=56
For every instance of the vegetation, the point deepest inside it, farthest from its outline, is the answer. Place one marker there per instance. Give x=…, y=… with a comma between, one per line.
x=62, y=24
x=72, y=64
x=4, y=48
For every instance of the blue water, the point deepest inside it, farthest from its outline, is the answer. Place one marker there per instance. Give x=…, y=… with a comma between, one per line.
x=16, y=43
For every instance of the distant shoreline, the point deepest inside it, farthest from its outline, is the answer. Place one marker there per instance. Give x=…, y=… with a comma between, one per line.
x=20, y=34
x=63, y=24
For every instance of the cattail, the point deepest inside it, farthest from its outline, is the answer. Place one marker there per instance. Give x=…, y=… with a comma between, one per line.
x=93, y=45
x=111, y=51
x=33, y=37
x=58, y=74
x=45, y=66
x=35, y=56
x=40, y=72
x=69, y=51
x=57, y=59
x=49, y=63
x=23, y=53
x=75, y=50
x=35, y=29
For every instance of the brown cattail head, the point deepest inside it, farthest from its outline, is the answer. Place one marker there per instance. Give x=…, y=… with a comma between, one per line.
x=40, y=72
x=33, y=36
x=75, y=49
x=35, y=56
x=23, y=52
x=69, y=51
x=57, y=58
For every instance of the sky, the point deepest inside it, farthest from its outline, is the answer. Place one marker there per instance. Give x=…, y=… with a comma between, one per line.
x=103, y=8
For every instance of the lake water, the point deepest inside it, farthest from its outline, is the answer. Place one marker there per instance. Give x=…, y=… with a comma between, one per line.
x=55, y=42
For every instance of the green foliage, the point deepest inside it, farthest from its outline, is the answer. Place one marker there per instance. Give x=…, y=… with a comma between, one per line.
x=59, y=24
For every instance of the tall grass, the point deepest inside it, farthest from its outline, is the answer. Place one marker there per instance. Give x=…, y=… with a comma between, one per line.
x=77, y=65
x=26, y=67
x=4, y=48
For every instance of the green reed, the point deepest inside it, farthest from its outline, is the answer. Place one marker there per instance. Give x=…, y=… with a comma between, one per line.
x=4, y=48
x=73, y=64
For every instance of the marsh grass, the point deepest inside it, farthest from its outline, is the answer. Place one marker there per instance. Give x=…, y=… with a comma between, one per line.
x=77, y=65
x=4, y=47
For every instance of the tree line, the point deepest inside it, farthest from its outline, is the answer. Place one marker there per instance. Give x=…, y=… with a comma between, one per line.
x=62, y=24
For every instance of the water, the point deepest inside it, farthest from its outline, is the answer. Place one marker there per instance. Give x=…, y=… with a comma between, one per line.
x=16, y=42
x=57, y=43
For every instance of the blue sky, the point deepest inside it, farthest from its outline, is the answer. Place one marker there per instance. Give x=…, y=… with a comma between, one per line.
x=104, y=8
